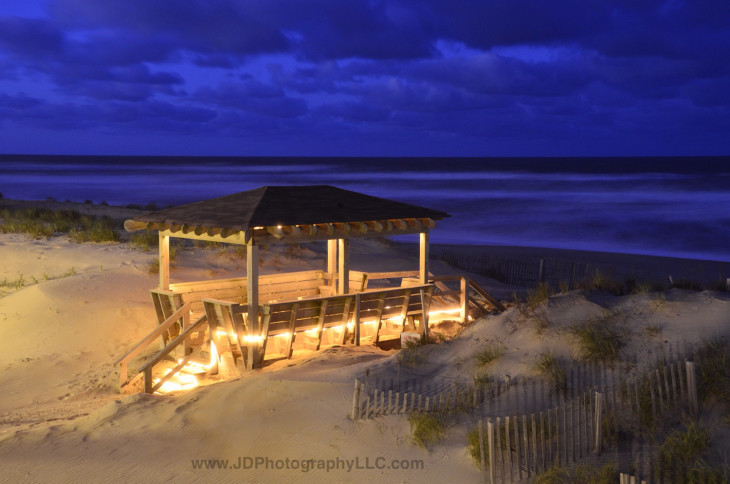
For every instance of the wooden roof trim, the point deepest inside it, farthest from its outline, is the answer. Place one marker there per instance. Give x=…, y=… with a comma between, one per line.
x=288, y=233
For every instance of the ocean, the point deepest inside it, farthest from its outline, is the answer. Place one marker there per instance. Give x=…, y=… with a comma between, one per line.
x=677, y=206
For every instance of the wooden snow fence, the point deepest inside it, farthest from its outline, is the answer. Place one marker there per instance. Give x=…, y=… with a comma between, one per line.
x=580, y=428
x=456, y=399
x=519, y=446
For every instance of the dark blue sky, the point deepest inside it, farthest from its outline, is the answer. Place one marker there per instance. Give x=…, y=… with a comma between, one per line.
x=358, y=77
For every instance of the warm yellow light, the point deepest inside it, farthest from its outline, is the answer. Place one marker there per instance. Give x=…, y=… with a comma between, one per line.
x=445, y=311
x=253, y=339
x=181, y=381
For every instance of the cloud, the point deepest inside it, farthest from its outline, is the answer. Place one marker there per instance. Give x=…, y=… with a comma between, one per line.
x=460, y=72
x=254, y=97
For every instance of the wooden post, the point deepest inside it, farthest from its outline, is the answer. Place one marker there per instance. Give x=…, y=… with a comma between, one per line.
x=490, y=446
x=541, y=277
x=356, y=400
x=357, y=319
x=543, y=441
x=252, y=289
x=534, y=443
x=332, y=261
x=464, y=302
x=508, y=446
x=343, y=283
x=424, y=317
x=526, y=444
x=598, y=427
x=164, y=250
x=423, y=257
x=148, y=380
x=692, y=388
x=481, y=451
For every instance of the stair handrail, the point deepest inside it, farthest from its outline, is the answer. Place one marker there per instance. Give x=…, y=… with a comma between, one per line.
x=183, y=311
x=150, y=364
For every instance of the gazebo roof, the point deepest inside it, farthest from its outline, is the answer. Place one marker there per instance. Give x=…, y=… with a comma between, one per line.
x=293, y=212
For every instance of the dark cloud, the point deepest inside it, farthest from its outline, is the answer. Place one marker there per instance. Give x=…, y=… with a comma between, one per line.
x=469, y=73
x=198, y=25
x=254, y=97
x=30, y=38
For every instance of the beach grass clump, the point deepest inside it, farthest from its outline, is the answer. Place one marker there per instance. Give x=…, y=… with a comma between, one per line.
x=475, y=450
x=144, y=240
x=598, y=340
x=21, y=281
x=482, y=379
x=682, y=453
x=581, y=474
x=603, y=283
x=533, y=309
x=92, y=229
x=549, y=367
x=412, y=354
x=713, y=363
x=652, y=329
x=16, y=283
x=538, y=296
x=427, y=428
x=489, y=354
x=42, y=222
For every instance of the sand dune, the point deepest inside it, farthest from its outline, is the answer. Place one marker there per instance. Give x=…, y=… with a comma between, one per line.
x=62, y=418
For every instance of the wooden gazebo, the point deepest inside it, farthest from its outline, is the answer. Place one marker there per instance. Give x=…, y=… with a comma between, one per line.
x=281, y=215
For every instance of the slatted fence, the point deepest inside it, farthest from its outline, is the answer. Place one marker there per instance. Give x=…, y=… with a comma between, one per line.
x=520, y=445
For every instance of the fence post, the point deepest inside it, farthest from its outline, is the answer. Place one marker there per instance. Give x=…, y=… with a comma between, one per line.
x=542, y=271
x=481, y=452
x=356, y=400
x=490, y=445
x=598, y=423
x=692, y=388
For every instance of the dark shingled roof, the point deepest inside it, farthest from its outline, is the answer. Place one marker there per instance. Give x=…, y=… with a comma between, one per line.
x=288, y=205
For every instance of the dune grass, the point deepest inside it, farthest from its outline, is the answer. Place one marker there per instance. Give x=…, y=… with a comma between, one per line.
x=489, y=354
x=581, y=474
x=598, y=339
x=682, y=454
x=413, y=354
x=44, y=223
x=22, y=281
x=427, y=428
x=548, y=366
x=713, y=363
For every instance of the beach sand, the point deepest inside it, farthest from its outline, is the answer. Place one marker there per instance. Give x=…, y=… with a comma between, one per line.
x=82, y=306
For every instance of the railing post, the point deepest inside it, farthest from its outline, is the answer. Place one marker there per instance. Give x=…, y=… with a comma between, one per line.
x=148, y=380
x=357, y=319
x=424, y=317
x=464, y=299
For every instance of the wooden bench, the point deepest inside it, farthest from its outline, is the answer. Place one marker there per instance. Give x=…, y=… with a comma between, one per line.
x=311, y=317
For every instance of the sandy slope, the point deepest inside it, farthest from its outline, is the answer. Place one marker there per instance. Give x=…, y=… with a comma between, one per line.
x=62, y=419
